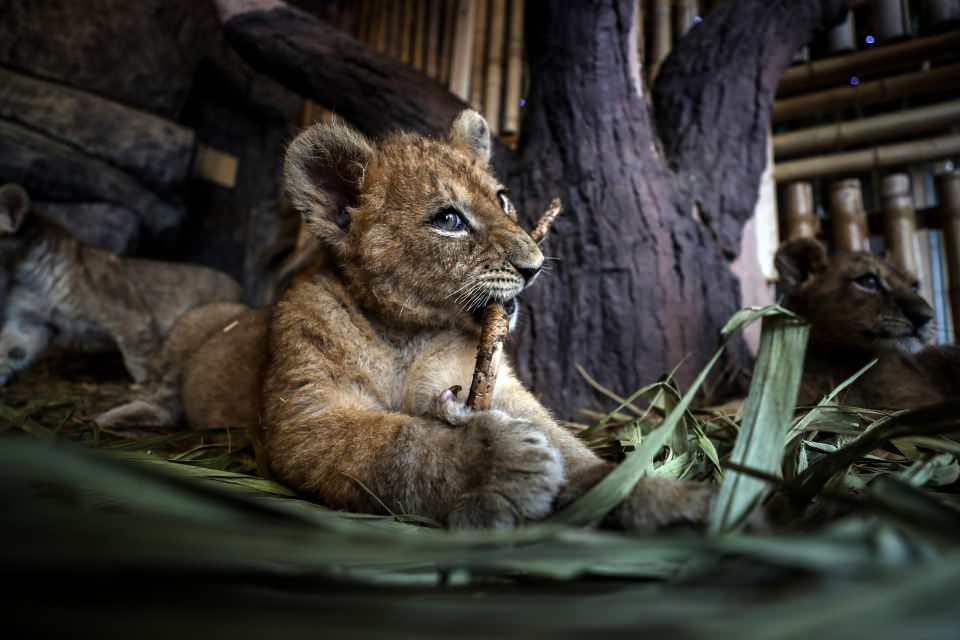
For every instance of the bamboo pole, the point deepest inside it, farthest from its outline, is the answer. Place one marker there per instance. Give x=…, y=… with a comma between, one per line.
x=685, y=12
x=948, y=193
x=380, y=15
x=868, y=159
x=940, y=13
x=888, y=20
x=462, y=50
x=640, y=29
x=395, y=33
x=908, y=85
x=900, y=222
x=511, y=107
x=479, y=55
x=842, y=38
x=407, y=35
x=493, y=88
x=420, y=35
x=433, y=39
x=840, y=68
x=799, y=214
x=451, y=10
x=889, y=126
x=662, y=36
x=848, y=217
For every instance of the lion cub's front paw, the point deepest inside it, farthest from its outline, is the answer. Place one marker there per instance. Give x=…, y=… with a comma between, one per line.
x=522, y=473
x=661, y=503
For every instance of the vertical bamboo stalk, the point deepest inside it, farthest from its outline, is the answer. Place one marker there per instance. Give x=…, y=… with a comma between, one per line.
x=380, y=15
x=420, y=36
x=799, y=214
x=848, y=217
x=479, y=56
x=362, y=32
x=940, y=13
x=434, y=13
x=842, y=37
x=493, y=88
x=451, y=8
x=394, y=28
x=662, y=36
x=683, y=18
x=406, y=32
x=918, y=186
x=948, y=193
x=640, y=28
x=462, y=50
x=511, y=108
x=888, y=20
x=900, y=222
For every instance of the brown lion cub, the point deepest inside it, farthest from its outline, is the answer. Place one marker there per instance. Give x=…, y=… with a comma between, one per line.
x=861, y=307
x=422, y=236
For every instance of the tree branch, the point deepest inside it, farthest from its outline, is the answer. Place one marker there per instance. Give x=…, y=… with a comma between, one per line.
x=713, y=99
x=374, y=92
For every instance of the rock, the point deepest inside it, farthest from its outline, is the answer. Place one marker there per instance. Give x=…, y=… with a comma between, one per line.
x=99, y=224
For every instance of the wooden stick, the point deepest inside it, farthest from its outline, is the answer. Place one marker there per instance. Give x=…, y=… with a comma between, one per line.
x=496, y=326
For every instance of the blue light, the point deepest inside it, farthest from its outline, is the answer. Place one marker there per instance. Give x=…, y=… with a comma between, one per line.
x=870, y=40
x=523, y=103
x=854, y=81
x=697, y=19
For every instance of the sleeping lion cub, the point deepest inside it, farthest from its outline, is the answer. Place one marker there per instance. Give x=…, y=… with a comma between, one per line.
x=422, y=236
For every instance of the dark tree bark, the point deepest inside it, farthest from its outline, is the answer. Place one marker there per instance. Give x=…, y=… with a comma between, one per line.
x=641, y=280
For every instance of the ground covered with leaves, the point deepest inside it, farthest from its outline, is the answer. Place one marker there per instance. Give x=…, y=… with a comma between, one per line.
x=854, y=514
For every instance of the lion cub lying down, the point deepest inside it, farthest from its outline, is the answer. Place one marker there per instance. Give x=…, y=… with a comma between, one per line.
x=55, y=290
x=862, y=307
x=354, y=409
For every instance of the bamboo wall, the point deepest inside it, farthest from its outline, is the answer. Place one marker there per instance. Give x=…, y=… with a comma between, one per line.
x=867, y=139
x=475, y=47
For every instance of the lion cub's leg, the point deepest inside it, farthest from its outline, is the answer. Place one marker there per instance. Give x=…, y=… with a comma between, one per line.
x=487, y=470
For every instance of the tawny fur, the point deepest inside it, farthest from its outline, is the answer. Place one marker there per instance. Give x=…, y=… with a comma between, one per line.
x=852, y=324
x=58, y=291
x=360, y=353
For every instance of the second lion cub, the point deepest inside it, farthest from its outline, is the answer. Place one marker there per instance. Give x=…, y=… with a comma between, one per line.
x=421, y=236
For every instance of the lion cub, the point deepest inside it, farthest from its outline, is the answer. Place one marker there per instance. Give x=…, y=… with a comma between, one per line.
x=861, y=307
x=422, y=236
x=55, y=290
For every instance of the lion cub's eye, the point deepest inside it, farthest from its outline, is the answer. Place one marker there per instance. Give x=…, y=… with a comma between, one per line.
x=449, y=219
x=868, y=282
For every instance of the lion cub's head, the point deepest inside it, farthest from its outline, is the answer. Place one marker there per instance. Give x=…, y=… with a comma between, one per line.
x=854, y=301
x=423, y=232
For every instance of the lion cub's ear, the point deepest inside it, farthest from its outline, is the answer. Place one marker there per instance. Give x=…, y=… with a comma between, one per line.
x=471, y=133
x=14, y=207
x=323, y=173
x=799, y=260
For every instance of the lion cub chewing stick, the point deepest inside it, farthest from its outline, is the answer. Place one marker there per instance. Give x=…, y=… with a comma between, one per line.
x=422, y=237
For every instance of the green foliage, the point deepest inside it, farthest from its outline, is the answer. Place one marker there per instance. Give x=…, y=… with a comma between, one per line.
x=155, y=534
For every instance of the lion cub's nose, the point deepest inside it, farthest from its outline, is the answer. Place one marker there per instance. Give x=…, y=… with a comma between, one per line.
x=919, y=319
x=528, y=271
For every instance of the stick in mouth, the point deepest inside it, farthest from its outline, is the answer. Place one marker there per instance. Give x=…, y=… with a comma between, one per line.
x=496, y=325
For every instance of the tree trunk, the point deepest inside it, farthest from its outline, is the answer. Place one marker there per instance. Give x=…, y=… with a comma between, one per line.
x=641, y=279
